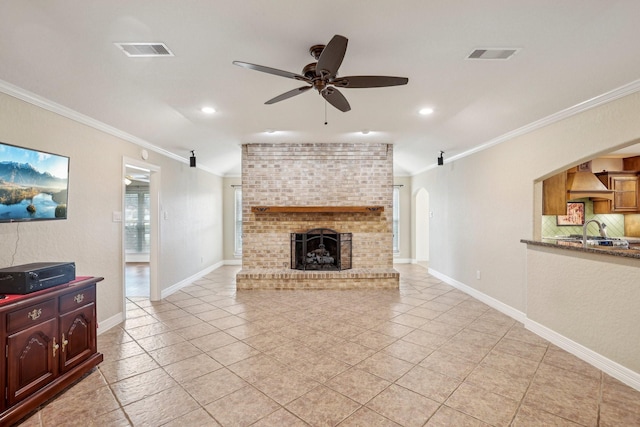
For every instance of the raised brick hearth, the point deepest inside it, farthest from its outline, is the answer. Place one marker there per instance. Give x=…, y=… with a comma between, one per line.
x=329, y=175
x=294, y=279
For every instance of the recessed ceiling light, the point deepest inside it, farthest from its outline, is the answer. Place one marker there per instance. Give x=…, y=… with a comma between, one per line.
x=425, y=111
x=270, y=131
x=208, y=110
x=365, y=132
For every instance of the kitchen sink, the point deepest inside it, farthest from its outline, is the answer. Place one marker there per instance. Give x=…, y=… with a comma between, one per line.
x=594, y=240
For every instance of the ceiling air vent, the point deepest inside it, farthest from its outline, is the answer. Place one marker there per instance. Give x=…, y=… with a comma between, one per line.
x=144, y=49
x=492, y=53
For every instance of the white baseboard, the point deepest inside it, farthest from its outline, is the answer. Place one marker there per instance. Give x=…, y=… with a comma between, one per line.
x=490, y=301
x=109, y=323
x=402, y=261
x=181, y=284
x=232, y=262
x=617, y=371
x=116, y=319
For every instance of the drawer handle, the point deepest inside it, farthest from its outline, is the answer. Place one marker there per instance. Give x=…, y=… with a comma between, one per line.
x=79, y=298
x=55, y=347
x=64, y=343
x=35, y=314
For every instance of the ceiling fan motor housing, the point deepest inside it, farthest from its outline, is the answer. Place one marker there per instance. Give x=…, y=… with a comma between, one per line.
x=309, y=71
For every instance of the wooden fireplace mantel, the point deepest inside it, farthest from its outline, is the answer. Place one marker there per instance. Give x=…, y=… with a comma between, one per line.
x=317, y=209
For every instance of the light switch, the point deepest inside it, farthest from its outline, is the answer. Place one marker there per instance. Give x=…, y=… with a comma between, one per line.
x=116, y=216
x=166, y=215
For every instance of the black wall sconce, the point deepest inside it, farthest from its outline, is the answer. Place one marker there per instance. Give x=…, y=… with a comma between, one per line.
x=441, y=159
x=192, y=159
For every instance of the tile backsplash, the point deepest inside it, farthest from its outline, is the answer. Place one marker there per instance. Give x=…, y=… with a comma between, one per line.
x=615, y=223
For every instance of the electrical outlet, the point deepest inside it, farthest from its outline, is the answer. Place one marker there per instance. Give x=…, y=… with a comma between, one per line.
x=478, y=274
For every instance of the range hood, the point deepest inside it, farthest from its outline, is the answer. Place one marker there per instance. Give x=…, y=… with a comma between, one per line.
x=583, y=184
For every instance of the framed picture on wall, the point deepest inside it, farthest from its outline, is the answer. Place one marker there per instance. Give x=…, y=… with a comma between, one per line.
x=574, y=216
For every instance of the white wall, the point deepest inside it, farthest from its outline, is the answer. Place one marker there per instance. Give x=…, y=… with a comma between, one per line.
x=600, y=164
x=484, y=204
x=421, y=221
x=590, y=299
x=190, y=237
x=229, y=219
x=406, y=227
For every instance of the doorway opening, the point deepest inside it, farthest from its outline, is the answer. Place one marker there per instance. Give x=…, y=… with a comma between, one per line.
x=137, y=232
x=140, y=230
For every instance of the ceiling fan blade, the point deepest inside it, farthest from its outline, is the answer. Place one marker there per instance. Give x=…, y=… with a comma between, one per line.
x=289, y=94
x=336, y=98
x=270, y=70
x=332, y=56
x=353, y=82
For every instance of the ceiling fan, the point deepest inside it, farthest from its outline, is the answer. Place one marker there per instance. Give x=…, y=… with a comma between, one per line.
x=323, y=75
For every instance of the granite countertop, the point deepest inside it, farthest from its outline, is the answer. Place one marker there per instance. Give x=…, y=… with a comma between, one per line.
x=577, y=247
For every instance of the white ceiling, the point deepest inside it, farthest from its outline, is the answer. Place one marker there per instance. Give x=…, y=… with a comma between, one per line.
x=571, y=51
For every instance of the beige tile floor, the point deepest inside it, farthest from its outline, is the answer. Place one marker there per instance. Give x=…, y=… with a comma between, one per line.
x=137, y=279
x=426, y=355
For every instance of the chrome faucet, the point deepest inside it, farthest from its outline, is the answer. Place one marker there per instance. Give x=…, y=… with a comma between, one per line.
x=584, y=230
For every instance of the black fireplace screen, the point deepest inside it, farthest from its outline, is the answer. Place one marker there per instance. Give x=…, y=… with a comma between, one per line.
x=321, y=249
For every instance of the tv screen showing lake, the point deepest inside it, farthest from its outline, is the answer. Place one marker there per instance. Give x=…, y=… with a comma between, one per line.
x=33, y=184
x=42, y=207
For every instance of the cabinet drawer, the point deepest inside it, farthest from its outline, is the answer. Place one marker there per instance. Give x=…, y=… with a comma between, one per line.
x=77, y=298
x=32, y=315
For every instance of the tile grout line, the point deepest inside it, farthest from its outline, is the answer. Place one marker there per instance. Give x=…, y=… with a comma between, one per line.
x=524, y=395
x=326, y=305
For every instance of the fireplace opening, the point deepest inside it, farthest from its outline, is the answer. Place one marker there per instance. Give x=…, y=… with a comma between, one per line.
x=321, y=249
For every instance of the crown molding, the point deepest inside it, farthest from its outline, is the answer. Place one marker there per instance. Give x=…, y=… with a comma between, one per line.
x=46, y=104
x=594, y=102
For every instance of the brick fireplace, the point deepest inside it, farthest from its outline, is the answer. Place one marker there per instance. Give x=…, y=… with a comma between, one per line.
x=290, y=189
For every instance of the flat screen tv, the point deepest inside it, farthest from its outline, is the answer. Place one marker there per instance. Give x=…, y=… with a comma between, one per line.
x=33, y=184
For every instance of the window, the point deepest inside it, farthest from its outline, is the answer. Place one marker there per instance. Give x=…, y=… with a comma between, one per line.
x=137, y=219
x=238, y=221
x=396, y=220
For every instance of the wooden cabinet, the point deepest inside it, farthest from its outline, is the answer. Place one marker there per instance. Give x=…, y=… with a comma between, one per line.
x=77, y=332
x=50, y=342
x=554, y=195
x=31, y=364
x=625, y=193
x=625, y=196
x=631, y=163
